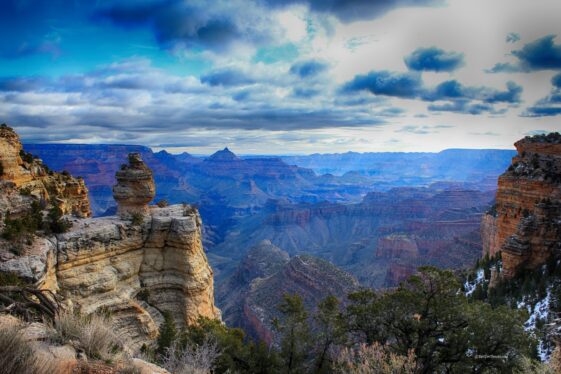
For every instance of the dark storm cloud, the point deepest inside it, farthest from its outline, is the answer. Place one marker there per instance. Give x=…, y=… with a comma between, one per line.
x=387, y=83
x=541, y=54
x=305, y=69
x=410, y=85
x=453, y=89
x=354, y=10
x=227, y=77
x=192, y=25
x=459, y=98
x=434, y=59
x=542, y=111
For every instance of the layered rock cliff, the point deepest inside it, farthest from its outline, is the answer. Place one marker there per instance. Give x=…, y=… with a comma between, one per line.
x=138, y=265
x=525, y=224
x=24, y=178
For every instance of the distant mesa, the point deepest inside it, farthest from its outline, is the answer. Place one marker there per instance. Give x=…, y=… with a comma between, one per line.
x=224, y=155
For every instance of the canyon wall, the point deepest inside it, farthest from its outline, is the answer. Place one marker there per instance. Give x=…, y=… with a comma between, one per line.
x=524, y=225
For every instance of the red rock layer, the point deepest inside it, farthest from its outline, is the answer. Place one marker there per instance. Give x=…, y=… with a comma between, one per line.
x=528, y=206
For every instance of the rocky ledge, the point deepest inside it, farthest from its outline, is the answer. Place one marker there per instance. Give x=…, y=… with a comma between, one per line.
x=137, y=271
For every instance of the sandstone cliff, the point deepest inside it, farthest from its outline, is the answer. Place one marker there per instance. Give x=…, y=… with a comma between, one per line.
x=24, y=178
x=525, y=226
x=137, y=271
x=135, y=266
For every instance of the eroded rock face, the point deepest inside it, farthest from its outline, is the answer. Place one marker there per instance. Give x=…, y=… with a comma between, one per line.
x=24, y=178
x=528, y=206
x=137, y=272
x=135, y=187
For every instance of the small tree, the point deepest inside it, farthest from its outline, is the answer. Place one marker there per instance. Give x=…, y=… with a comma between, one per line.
x=168, y=334
x=295, y=332
x=330, y=332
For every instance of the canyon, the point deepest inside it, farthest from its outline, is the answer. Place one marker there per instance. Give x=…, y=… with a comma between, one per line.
x=250, y=297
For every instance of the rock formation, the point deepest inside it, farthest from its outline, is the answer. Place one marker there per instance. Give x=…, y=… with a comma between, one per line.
x=525, y=227
x=134, y=268
x=24, y=178
x=135, y=187
x=138, y=271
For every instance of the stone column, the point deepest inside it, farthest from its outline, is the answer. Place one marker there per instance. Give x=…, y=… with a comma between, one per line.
x=135, y=187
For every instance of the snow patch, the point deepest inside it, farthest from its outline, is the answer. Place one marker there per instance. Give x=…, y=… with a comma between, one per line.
x=471, y=286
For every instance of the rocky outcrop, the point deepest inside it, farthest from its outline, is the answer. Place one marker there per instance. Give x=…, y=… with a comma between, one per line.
x=135, y=187
x=138, y=271
x=528, y=206
x=24, y=178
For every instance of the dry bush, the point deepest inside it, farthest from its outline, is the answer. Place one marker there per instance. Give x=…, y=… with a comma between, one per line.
x=375, y=358
x=93, y=333
x=191, y=359
x=555, y=360
x=17, y=355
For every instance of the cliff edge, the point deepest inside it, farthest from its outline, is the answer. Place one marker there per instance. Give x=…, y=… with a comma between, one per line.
x=525, y=222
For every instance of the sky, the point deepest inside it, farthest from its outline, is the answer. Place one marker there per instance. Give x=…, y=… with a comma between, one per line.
x=281, y=76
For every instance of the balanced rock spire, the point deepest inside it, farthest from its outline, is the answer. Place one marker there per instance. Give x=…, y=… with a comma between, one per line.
x=135, y=187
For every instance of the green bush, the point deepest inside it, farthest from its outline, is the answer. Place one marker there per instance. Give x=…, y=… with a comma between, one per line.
x=137, y=219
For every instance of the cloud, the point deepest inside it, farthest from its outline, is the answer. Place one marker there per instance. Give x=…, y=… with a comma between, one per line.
x=541, y=54
x=22, y=84
x=355, y=10
x=134, y=100
x=227, y=77
x=195, y=25
x=434, y=59
x=387, y=83
x=549, y=105
x=556, y=80
x=305, y=69
x=542, y=111
x=512, y=37
x=458, y=98
x=422, y=130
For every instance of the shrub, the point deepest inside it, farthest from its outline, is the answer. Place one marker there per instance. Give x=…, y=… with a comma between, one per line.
x=137, y=219
x=18, y=355
x=162, y=203
x=191, y=359
x=168, y=334
x=94, y=334
x=56, y=224
x=374, y=358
